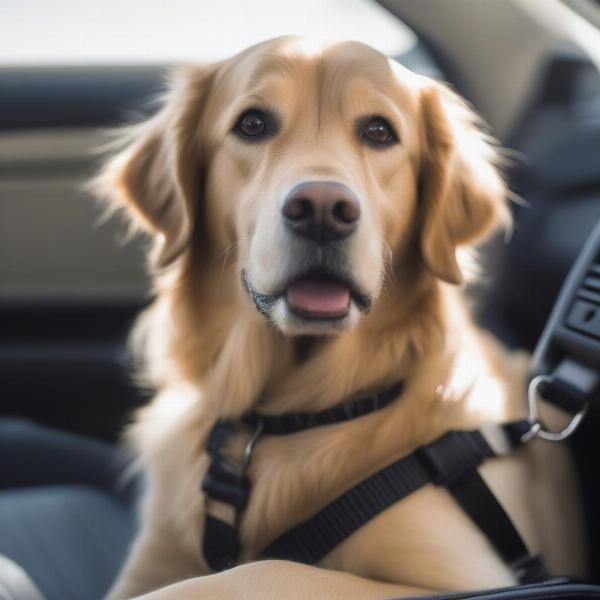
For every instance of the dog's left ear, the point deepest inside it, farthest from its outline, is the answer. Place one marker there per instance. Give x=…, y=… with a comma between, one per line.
x=155, y=178
x=462, y=193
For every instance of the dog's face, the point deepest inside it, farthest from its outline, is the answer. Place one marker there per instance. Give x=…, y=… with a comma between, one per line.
x=313, y=169
x=320, y=168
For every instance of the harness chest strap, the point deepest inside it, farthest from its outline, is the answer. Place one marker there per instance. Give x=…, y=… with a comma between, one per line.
x=450, y=461
x=225, y=483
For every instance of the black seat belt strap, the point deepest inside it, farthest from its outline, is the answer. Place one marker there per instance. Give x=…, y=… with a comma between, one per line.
x=571, y=385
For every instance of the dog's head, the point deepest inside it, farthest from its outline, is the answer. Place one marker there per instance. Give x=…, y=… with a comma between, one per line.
x=322, y=171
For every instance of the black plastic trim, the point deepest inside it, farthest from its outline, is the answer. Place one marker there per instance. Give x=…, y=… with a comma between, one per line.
x=63, y=97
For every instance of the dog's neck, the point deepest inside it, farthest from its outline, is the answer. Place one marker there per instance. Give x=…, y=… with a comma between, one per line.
x=248, y=363
x=376, y=354
x=314, y=374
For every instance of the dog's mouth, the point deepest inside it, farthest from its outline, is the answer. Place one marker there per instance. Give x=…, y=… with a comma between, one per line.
x=315, y=295
x=318, y=298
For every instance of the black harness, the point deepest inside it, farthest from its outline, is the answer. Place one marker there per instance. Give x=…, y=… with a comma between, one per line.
x=450, y=461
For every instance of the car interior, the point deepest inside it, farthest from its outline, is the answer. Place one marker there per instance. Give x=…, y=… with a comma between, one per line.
x=72, y=281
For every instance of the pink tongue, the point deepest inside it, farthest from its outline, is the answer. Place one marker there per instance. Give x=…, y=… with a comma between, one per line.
x=319, y=298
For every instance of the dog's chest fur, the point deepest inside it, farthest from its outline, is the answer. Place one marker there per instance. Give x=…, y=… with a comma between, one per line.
x=293, y=476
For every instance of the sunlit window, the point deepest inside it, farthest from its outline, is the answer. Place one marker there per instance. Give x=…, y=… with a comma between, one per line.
x=159, y=31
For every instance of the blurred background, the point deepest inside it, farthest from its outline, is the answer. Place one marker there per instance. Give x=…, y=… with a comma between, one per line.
x=69, y=285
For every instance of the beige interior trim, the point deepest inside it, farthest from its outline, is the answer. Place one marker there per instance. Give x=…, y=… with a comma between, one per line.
x=56, y=145
x=54, y=243
x=498, y=45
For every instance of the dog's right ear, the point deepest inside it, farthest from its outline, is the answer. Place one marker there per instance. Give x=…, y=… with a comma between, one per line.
x=155, y=176
x=463, y=194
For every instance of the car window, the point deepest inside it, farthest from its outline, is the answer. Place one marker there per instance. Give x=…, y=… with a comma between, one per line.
x=588, y=9
x=147, y=31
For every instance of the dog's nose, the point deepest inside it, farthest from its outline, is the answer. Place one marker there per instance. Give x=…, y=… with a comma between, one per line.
x=321, y=210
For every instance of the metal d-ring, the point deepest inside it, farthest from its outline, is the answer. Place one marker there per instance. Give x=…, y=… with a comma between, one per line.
x=537, y=427
x=250, y=445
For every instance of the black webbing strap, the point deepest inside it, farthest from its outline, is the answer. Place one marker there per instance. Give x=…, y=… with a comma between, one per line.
x=450, y=461
x=444, y=459
x=295, y=422
x=221, y=545
x=226, y=482
x=313, y=539
x=571, y=385
x=477, y=500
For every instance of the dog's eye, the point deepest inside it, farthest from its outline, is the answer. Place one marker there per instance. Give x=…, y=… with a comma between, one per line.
x=252, y=123
x=376, y=131
x=255, y=125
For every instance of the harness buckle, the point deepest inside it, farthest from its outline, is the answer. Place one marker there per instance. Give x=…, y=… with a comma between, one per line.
x=251, y=443
x=537, y=427
x=225, y=479
x=450, y=457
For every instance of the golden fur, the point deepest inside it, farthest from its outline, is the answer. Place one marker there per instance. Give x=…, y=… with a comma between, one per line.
x=211, y=204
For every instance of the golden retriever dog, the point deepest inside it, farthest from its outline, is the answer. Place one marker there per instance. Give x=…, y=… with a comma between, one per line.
x=312, y=209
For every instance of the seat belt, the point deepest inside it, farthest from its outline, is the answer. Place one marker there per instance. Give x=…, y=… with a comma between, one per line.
x=565, y=368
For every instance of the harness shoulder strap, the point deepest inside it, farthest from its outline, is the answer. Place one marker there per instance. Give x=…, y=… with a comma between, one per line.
x=451, y=461
x=311, y=540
